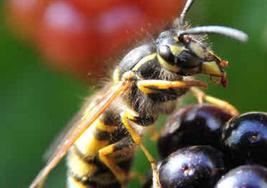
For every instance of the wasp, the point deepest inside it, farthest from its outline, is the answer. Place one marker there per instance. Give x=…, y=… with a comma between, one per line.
x=145, y=84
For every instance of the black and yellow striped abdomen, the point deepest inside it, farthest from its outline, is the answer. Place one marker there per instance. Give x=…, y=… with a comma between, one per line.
x=86, y=168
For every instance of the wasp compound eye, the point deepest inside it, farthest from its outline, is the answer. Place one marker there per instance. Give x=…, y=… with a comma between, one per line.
x=188, y=60
x=165, y=52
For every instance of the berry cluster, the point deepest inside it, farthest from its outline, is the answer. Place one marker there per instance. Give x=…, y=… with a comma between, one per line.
x=204, y=146
x=82, y=35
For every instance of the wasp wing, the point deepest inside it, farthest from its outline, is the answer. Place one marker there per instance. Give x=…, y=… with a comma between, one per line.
x=79, y=127
x=88, y=105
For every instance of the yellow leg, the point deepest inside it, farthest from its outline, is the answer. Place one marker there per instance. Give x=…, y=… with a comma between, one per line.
x=125, y=118
x=73, y=183
x=201, y=96
x=151, y=86
x=105, y=156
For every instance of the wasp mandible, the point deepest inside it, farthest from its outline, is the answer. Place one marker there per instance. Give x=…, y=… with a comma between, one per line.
x=146, y=83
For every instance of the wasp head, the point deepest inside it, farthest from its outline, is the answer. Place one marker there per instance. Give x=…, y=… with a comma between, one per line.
x=182, y=50
x=189, y=55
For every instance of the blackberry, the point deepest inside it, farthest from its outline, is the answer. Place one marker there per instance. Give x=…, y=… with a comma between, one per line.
x=245, y=138
x=192, y=125
x=191, y=167
x=248, y=176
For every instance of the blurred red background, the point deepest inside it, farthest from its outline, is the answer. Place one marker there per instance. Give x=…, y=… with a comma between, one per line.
x=83, y=37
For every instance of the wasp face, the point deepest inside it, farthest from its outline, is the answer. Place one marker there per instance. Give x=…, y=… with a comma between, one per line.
x=188, y=55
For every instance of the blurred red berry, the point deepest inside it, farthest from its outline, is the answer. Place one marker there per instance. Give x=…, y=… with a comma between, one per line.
x=82, y=36
x=118, y=27
x=96, y=7
x=23, y=16
x=159, y=11
x=67, y=37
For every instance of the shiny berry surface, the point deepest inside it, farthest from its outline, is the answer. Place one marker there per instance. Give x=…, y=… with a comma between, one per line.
x=191, y=167
x=192, y=125
x=245, y=137
x=248, y=176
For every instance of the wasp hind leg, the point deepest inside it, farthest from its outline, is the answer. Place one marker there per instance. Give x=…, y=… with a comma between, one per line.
x=117, y=157
x=126, y=121
x=202, y=96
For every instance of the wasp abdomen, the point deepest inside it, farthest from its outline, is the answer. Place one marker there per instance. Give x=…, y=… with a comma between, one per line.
x=86, y=161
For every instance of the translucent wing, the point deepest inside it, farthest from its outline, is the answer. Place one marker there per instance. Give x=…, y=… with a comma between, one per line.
x=78, y=128
x=87, y=106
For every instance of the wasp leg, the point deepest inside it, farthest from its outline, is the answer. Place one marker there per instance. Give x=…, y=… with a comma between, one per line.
x=151, y=86
x=74, y=183
x=115, y=154
x=126, y=119
x=201, y=96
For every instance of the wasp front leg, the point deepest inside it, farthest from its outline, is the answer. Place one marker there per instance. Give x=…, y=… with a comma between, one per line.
x=202, y=96
x=154, y=86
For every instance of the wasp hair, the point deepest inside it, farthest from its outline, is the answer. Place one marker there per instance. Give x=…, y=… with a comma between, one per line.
x=221, y=30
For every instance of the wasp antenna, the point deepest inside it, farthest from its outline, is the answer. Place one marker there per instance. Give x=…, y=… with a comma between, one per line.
x=187, y=7
x=221, y=30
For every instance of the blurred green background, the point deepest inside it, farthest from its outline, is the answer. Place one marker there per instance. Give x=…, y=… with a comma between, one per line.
x=36, y=102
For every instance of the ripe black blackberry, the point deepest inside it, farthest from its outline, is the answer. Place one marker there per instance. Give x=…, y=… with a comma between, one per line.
x=245, y=138
x=247, y=176
x=242, y=139
x=191, y=167
x=198, y=124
